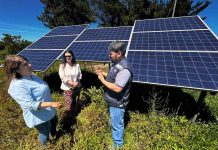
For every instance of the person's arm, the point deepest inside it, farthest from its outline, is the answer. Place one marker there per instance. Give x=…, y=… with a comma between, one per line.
x=23, y=97
x=79, y=76
x=120, y=82
x=61, y=73
x=109, y=85
x=50, y=104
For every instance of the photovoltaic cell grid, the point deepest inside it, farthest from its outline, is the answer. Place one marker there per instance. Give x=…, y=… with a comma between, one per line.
x=177, y=23
x=67, y=30
x=91, y=51
x=56, y=42
x=47, y=49
x=184, y=55
x=190, y=69
x=121, y=33
x=92, y=44
x=41, y=59
x=197, y=40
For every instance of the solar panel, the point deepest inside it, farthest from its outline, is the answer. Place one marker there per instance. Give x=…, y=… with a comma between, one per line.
x=177, y=23
x=197, y=40
x=121, y=33
x=41, y=59
x=179, y=52
x=91, y=51
x=92, y=44
x=189, y=69
x=56, y=42
x=47, y=49
x=67, y=30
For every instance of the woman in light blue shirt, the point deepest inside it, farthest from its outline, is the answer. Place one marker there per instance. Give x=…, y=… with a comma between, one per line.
x=33, y=96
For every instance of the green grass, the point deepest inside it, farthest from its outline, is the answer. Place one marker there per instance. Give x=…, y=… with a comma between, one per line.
x=3, y=52
x=92, y=131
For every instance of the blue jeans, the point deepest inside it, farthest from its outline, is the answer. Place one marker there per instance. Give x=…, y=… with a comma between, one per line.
x=46, y=128
x=117, y=124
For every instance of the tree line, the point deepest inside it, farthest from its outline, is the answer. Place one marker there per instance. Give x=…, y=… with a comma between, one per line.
x=12, y=44
x=105, y=13
x=114, y=12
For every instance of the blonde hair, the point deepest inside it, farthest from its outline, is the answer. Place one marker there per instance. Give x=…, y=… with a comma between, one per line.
x=12, y=64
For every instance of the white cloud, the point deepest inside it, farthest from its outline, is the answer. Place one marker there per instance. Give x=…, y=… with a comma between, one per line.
x=9, y=26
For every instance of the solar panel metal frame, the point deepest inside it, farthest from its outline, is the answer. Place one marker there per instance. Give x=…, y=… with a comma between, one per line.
x=132, y=50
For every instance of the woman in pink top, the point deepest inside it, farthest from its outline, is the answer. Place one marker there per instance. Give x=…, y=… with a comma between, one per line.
x=70, y=74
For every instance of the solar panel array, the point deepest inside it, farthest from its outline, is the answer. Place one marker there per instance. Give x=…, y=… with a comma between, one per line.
x=43, y=53
x=179, y=52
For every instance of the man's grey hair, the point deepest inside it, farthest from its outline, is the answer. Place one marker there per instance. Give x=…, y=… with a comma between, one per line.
x=117, y=46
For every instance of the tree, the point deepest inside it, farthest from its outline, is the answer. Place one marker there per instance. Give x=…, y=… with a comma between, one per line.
x=14, y=44
x=109, y=12
x=1, y=45
x=114, y=12
x=65, y=12
x=125, y=12
x=185, y=7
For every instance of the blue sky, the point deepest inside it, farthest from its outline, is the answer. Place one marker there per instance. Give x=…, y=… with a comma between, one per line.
x=19, y=17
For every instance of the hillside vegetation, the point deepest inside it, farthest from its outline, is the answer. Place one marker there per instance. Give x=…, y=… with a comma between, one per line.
x=150, y=127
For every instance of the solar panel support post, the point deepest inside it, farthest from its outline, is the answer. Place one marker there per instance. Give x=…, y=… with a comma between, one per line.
x=200, y=102
x=174, y=8
x=43, y=74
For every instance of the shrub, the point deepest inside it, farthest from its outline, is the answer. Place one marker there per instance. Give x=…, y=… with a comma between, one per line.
x=93, y=129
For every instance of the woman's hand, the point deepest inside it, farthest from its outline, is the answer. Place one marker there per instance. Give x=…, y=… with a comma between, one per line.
x=73, y=84
x=77, y=84
x=56, y=104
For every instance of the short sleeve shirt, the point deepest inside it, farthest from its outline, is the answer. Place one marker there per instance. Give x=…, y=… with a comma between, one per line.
x=122, y=78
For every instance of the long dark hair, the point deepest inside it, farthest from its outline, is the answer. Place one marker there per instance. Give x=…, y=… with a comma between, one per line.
x=73, y=61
